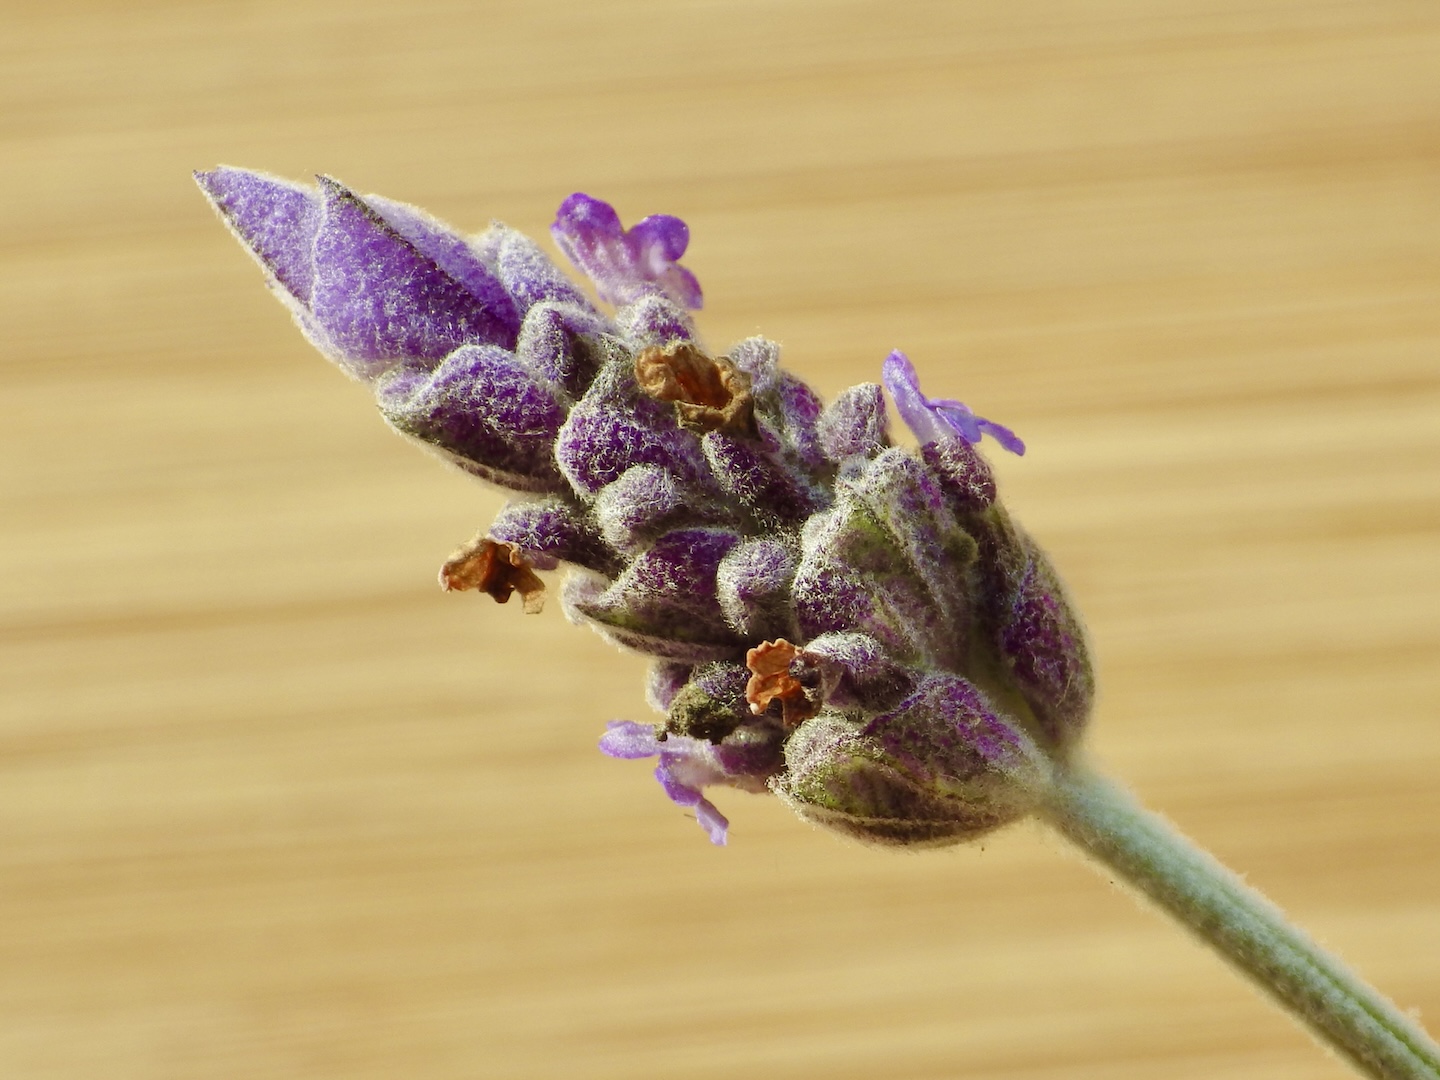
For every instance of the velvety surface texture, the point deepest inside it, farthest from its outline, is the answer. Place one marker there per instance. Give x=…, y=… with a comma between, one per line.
x=274, y=805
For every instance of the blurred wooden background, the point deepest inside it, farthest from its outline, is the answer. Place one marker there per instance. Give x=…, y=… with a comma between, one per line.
x=272, y=805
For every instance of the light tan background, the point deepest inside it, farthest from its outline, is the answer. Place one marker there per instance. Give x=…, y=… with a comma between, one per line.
x=271, y=805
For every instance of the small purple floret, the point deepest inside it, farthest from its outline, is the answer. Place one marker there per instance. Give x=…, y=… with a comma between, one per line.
x=686, y=767
x=937, y=419
x=625, y=264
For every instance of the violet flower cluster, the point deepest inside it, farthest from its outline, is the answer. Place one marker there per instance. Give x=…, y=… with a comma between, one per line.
x=856, y=626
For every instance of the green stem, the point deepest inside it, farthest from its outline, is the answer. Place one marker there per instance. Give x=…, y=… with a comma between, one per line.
x=1240, y=924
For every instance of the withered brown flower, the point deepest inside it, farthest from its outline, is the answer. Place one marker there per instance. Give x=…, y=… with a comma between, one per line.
x=494, y=567
x=771, y=680
x=710, y=394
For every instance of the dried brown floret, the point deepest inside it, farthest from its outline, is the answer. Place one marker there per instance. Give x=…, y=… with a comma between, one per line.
x=772, y=679
x=494, y=567
x=709, y=394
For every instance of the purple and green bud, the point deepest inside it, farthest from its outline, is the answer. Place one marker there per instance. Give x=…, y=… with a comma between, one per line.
x=854, y=426
x=939, y=768
x=856, y=627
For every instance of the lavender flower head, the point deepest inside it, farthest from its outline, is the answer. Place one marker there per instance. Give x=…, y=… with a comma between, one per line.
x=855, y=626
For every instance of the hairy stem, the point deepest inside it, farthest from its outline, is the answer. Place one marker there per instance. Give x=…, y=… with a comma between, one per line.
x=1240, y=924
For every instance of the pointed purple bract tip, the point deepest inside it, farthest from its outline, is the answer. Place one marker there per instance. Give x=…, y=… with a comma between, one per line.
x=275, y=219
x=374, y=283
x=625, y=264
x=938, y=419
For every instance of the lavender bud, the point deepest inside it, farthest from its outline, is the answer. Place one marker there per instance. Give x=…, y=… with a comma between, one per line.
x=858, y=672
x=828, y=594
x=451, y=252
x=616, y=427
x=712, y=704
x=963, y=473
x=646, y=502
x=561, y=343
x=654, y=322
x=938, y=769
x=1033, y=630
x=753, y=584
x=775, y=495
x=855, y=574
x=759, y=358
x=379, y=300
x=755, y=750
x=906, y=499
x=275, y=220
x=665, y=602
x=798, y=413
x=484, y=412
x=1043, y=643
x=529, y=276
x=555, y=527
x=854, y=425
x=369, y=291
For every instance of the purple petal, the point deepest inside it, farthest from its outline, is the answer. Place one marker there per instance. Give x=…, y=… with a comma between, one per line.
x=712, y=821
x=1004, y=436
x=937, y=419
x=275, y=219
x=664, y=237
x=585, y=220
x=684, y=287
x=898, y=375
x=686, y=767
x=625, y=265
x=628, y=740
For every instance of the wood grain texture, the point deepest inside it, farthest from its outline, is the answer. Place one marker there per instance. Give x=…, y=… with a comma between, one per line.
x=272, y=805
